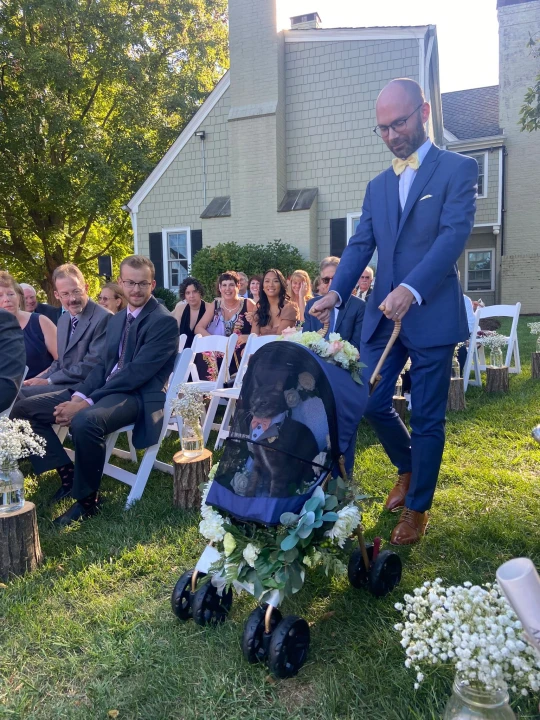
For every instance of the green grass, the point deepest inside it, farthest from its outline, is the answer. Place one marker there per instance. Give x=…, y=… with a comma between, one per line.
x=92, y=630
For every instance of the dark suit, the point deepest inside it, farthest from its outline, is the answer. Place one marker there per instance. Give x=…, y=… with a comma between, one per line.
x=348, y=323
x=420, y=247
x=134, y=394
x=12, y=358
x=78, y=353
x=50, y=311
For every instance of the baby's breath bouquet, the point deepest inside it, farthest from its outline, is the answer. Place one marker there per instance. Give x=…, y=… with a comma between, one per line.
x=188, y=403
x=17, y=441
x=535, y=330
x=474, y=629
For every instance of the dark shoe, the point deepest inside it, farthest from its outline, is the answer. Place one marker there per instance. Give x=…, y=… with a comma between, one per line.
x=410, y=528
x=396, y=499
x=62, y=492
x=77, y=511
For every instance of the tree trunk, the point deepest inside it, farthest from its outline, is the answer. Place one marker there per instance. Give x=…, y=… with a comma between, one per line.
x=456, y=395
x=497, y=379
x=400, y=406
x=20, y=550
x=535, y=365
x=189, y=474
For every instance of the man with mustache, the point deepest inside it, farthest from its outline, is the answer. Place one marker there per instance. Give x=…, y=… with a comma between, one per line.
x=81, y=335
x=418, y=214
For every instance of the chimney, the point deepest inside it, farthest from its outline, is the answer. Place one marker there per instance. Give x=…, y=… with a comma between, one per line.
x=311, y=21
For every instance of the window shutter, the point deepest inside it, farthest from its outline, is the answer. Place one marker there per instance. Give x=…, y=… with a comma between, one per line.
x=338, y=236
x=196, y=242
x=156, y=255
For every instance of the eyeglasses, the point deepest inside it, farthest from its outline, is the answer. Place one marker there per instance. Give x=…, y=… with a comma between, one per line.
x=144, y=285
x=73, y=293
x=365, y=277
x=326, y=280
x=398, y=126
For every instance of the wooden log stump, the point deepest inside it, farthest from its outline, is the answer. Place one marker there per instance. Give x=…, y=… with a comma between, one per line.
x=456, y=395
x=189, y=474
x=535, y=365
x=400, y=406
x=20, y=549
x=497, y=379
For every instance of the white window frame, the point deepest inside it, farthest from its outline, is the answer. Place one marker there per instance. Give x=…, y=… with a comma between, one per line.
x=485, y=155
x=165, y=250
x=470, y=250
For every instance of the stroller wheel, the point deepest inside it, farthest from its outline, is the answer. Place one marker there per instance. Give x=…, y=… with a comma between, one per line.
x=208, y=607
x=385, y=573
x=254, y=640
x=181, y=596
x=288, y=647
x=356, y=570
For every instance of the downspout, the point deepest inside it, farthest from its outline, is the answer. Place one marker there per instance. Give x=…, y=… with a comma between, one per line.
x=503, y=195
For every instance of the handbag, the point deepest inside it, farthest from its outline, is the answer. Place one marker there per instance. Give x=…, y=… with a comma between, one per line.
x=217, y=326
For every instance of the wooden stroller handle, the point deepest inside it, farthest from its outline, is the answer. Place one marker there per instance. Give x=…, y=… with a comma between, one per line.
x=375, y=378
x=322, y=332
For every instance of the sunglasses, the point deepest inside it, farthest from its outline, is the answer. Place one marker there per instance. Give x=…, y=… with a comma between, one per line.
x=326, y=280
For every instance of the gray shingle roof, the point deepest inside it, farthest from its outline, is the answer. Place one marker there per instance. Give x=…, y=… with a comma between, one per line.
x=472, y=113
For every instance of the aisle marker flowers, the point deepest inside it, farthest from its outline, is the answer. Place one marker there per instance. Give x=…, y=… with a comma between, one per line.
x=17, y=441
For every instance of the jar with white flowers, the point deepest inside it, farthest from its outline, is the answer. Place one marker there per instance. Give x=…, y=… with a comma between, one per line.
x=17, y=441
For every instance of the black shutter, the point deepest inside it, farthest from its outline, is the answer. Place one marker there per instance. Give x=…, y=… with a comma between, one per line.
x=156, y=255
x=196, y=242
x=338, y=236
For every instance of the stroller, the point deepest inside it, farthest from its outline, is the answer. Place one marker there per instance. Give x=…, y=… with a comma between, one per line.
x=281, y=502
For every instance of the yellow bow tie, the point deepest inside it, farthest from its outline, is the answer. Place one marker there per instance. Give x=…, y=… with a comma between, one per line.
x=400, y=165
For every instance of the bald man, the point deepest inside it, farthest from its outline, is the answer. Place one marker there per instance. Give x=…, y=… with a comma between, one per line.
x=418, y=214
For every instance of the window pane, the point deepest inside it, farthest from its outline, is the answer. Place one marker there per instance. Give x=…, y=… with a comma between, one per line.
x=479, y=266
x=177, y=246
x=177, y=272
x=355, y=223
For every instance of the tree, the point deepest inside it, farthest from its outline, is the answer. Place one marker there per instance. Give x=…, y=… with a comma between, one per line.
x=529, y=114
x=92, y=92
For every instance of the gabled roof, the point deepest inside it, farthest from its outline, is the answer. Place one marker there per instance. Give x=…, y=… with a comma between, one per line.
x=474, y=113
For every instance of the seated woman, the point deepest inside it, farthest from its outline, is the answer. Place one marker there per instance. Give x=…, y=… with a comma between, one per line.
x=300, y=290
x=112, y=297
x=275, y=312
x=191, y=308
x=225, y=316
x=254, y=286
x=39, y=332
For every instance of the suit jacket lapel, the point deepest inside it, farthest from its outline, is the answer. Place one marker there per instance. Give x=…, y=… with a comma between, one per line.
x=83, y=323
x=425, y=171
x=64, y=336
x=392, y=200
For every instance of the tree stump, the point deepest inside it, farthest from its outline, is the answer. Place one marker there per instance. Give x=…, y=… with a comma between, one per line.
x=400, y=406
x=189, y=474
x=497, y=379
x=456, y=395
x=20, y=550
x=535, y=365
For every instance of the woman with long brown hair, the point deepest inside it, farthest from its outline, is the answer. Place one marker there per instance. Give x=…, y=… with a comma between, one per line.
x=300, y=290
x=275, y=311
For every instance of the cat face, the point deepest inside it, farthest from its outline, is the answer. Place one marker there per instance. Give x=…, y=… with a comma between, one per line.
x=267, y=402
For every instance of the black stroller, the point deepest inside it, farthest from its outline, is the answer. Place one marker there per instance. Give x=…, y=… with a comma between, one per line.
x=280, y=502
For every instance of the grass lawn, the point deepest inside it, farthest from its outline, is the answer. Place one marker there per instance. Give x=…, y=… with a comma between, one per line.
x=92, y=631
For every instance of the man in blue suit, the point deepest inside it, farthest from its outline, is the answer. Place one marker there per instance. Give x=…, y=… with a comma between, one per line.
x=345, y=320
x=418, y=214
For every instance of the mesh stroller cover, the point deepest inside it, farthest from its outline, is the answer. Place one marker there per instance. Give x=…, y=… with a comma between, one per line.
x=296, y=414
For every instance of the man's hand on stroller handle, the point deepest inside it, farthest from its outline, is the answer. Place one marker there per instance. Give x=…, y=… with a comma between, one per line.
x=323, y=307
x=397, y=303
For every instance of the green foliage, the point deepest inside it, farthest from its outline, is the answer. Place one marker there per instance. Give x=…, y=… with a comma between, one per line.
x=209, y=262
x=529, y=114
x=168, y=296
x=91, y=96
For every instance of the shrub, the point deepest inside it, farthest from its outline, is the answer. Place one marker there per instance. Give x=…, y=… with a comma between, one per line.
x=209, y=262
x=168, y=296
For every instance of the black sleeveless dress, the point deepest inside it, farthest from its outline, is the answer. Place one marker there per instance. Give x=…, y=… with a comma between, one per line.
x=184, y=323
x=38, y=358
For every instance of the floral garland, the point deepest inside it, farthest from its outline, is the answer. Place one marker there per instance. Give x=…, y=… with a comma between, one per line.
x=471, y=627
x=274, y=558
x=17, y=441
x=335, y=350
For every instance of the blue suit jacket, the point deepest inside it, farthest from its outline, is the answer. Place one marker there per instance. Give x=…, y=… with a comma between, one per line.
x=420, y=249
x=348, y=323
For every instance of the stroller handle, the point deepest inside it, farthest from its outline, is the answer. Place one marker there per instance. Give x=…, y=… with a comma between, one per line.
x=376, y=377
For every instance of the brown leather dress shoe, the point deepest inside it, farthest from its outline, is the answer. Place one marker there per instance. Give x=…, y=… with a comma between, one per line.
x=396, y=499
x=410, y=528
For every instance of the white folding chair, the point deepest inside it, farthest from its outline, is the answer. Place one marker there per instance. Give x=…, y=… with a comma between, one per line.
x=231, y=395
x=476, y=361
x=212, y=344
x=7, y=411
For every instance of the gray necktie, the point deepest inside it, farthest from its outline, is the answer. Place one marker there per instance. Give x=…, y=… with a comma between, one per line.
x=74, y=323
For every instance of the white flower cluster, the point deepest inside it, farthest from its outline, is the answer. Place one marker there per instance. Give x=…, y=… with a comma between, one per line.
x=535, y=327
x=189, y=403
x=251, y=553
x=211, y=525
x=471, y=627
x=493, y=341
x=335, y=348
x=17, y=441
x=348, y=520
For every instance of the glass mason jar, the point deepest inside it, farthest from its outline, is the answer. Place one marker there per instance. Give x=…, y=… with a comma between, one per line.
x=538, y=344
x=398, y=392
x=11, y=488
x=191, y=438
x=456, y=372
x=496, y=357
x=469, y=703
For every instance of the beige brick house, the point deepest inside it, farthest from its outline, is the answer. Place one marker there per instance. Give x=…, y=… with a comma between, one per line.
x=284, y=146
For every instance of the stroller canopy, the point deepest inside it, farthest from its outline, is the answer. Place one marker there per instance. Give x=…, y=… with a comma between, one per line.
x=295, y=416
